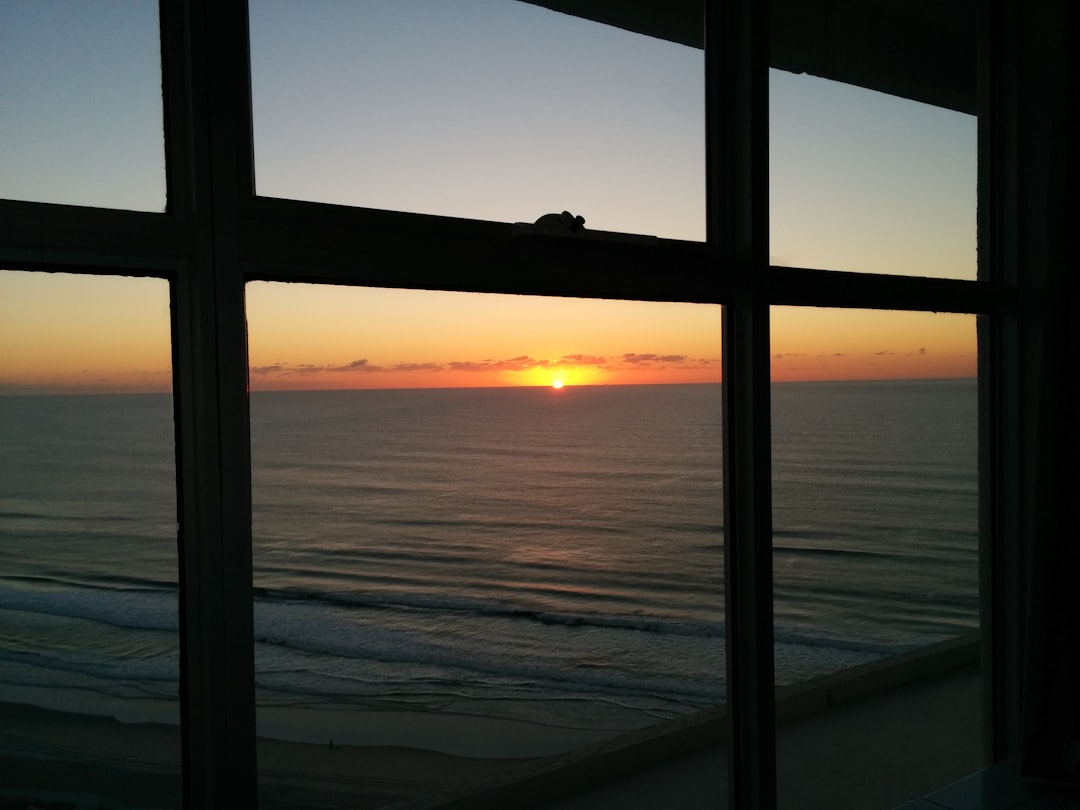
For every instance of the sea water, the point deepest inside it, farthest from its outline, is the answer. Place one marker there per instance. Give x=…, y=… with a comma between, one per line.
x=524, y=553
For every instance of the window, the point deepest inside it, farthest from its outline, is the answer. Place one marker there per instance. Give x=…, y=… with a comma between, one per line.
x=482, y=109
x=89, y=637
x=240, y=218
x=875, y=553
x=868, y=182
x=82, y=104
x=481, y=560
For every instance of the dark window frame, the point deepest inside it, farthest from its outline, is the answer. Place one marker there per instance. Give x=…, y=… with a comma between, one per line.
x=215, y=235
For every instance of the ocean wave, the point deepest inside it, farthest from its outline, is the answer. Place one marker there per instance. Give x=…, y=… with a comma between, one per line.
x=30, y=669
x=80, y=520
x=137, y=608
x=820, y=639
x=375, y=660
x=143, y=607
x=471, y=605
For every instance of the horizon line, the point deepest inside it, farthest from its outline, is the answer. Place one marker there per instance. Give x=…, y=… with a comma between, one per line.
x=169, y=391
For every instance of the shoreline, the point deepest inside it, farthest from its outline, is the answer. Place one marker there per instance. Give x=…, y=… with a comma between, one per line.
x=398, y=759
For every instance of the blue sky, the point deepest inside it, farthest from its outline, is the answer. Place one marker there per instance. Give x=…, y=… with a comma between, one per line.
x=80, y=103
x=484, y=109
x=488, y=109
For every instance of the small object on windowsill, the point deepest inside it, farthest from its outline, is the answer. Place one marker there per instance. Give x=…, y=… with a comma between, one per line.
x=564, y=224
x=567, y=225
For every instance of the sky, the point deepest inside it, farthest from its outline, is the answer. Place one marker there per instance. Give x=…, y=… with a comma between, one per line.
x=487, y=109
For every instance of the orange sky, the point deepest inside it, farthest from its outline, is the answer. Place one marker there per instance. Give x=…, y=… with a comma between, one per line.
x=836, y=344
x=307, y=336
x=67, y=333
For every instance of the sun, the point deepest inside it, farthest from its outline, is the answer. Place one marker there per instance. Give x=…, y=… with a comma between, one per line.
x=556, y=384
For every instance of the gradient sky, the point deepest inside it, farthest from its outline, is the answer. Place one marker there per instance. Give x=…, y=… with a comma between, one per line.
x=406, y=338
x=483, y=109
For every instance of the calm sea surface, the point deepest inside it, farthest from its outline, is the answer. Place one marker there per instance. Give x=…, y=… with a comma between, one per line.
x=523, y=553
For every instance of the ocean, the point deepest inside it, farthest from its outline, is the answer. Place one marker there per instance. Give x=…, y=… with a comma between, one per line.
x=518, y=553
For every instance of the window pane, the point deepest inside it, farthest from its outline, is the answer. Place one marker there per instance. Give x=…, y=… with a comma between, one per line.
x=81, y=100
x=459, y=558
x=483, y=109
x=875, y=555
x=88, y=564
x=868, y=182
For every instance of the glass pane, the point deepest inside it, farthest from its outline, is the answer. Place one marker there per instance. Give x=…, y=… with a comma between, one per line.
x=868, y=182
x=81, y=100
x=483, y=109
x=89, y=660
x=498, y=539
x=875, y=555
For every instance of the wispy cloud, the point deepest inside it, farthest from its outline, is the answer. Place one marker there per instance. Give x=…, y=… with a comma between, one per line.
x=521, y=363
x=417, y=367
x=581, y=360
x=357, y=365
x=650, y=359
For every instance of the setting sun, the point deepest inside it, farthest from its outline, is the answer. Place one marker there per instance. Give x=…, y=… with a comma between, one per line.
x=557, y=384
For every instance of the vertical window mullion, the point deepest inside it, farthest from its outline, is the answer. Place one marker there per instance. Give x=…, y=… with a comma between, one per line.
x=217, y=664
x=1002, y=603
x=737, y=149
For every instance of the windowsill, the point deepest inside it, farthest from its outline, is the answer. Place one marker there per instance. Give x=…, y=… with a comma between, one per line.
x=906, y=711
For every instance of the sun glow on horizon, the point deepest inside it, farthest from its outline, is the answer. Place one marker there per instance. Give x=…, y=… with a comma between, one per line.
x=317, y=336
x=326, y=338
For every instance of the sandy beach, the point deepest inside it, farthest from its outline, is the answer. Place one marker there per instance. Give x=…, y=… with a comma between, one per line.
x=67, y=759
x=85, y=760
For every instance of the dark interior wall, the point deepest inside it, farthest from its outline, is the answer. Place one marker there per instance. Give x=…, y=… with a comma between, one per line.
x=1047, y=88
